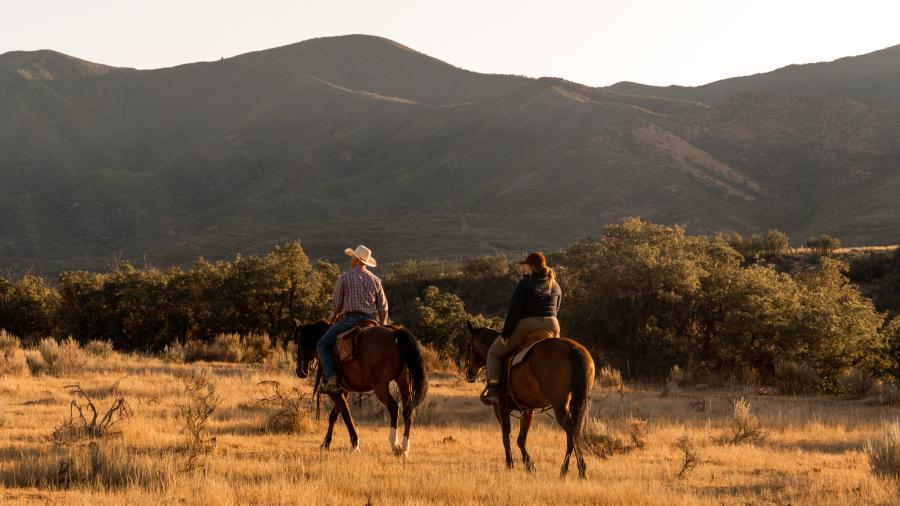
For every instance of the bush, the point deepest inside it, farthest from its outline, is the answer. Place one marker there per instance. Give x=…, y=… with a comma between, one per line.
x=12, y=358
x=823, y=244
x=441, y=321
x=281, y=358
x=195, y=413
x=435, y=362
x=102, y=349
x=793, y=378
x=174, y=353
x=225, y=348
x=883, y=453
x=673, y=381
x=57, y=359
x=601, y=441
x=745, y=428
x=255, y=347
x=86, y=424
x=757, y=247
x=887, y=394
x=290, y=410
x=855, y=384
x=690, y=458
x=609, y=377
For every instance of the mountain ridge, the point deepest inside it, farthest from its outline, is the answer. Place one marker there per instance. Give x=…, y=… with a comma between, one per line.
x=360, y=139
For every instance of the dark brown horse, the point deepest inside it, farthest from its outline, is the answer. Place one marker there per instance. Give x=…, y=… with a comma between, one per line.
x=558, y=373
x=383, y=354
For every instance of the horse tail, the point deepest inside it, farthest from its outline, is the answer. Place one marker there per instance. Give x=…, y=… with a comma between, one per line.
x=411, y=354
x=582, y=381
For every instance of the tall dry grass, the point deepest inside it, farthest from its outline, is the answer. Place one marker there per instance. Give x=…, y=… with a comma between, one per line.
x=813, y=452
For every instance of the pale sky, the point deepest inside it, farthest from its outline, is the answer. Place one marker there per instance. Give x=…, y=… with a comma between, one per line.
x=596, y=43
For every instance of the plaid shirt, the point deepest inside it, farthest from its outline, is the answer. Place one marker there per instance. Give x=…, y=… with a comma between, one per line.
x=359, y=291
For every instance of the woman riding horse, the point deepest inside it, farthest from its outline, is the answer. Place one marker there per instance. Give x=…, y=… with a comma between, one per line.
x=533, y=307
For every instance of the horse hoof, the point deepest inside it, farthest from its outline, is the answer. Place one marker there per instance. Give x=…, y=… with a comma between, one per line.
x=355, y=449
x=529, y=467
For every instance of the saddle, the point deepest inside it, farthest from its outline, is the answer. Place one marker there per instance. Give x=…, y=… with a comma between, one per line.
x=346, y=344
x=517, y=357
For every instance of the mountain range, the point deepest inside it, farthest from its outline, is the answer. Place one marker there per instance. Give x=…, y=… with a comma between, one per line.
x=358, y=139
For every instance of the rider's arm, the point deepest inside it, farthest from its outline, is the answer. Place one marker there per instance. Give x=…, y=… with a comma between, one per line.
x=516, y=305
x=381, y=304
x=559, y=298
x=337, y=299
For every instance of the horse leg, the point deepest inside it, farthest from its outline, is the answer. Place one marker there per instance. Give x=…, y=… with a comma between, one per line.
x=524, y=425
x=503, y=415
x=562, y=417
x=405, y=396
x=348, y=421
x=332, y=418
x=582, y=467
x=383, y=393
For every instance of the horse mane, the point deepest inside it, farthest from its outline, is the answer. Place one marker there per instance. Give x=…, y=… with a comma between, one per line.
x=310, y=333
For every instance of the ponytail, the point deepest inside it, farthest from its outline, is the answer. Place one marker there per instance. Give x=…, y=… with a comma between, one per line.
x=551, y=276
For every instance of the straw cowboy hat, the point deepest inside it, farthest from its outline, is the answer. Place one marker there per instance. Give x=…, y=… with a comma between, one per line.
x=363, y=254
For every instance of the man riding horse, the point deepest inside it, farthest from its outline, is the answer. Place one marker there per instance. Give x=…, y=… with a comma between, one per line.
x=358, y=296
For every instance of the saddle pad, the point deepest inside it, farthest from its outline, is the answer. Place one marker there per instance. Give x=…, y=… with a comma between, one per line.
x=523, y=353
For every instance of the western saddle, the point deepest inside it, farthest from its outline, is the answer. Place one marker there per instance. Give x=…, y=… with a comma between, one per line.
x=346, y=344
x=515, y=358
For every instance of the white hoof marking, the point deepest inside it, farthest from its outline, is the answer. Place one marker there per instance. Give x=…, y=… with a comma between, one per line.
x=392, y=437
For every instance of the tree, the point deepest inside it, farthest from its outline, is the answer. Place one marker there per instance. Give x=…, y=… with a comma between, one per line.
x=28, y=307
x=823, y=244
x=760, y=247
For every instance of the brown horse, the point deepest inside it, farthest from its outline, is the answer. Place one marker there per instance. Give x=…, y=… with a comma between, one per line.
x=383, y=354
x=557, y=373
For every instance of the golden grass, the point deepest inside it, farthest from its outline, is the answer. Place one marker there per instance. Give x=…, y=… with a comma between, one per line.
x=813, y=452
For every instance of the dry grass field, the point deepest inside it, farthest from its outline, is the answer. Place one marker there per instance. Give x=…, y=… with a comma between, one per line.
x=811, y=451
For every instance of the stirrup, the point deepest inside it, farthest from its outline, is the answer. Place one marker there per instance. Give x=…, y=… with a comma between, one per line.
x=330, y=387
x=489, y=397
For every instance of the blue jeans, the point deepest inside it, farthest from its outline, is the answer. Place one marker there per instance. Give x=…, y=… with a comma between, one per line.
x=325, y=346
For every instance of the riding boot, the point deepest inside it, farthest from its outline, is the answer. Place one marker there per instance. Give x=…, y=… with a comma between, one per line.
x=493, y=393
x=330, y=386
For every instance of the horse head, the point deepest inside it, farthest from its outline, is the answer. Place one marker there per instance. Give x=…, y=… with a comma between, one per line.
x=307, y=338
x=475, y=354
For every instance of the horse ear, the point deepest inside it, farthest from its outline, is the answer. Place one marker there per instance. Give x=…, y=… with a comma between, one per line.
x=469, y=325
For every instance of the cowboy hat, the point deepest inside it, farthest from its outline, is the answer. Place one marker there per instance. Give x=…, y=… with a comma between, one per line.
x=363, y=254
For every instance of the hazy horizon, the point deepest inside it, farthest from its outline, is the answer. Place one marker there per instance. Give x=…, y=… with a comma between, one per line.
x=650, y=42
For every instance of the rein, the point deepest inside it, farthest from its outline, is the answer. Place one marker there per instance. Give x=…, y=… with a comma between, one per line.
x=316, y=388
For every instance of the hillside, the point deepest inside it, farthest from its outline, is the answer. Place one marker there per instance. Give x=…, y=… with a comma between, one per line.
x=358, y=139
x=872, y=76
